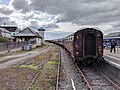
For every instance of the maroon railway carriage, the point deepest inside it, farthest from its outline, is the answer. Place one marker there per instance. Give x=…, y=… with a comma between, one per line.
x=68, y=43
x=88, y=45
x=85, y=45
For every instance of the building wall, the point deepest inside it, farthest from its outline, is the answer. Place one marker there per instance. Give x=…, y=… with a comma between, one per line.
x=38, y=41
x=4, y=34
x=41, y=33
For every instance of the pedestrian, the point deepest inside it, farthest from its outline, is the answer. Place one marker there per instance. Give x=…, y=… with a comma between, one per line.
x=113, y=44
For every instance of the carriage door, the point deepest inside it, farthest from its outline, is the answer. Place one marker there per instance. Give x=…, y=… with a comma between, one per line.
x=90, y=45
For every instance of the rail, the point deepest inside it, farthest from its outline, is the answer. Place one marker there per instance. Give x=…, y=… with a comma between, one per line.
x=58, y=74
x=38, y=72
x=86, y=81
x=115, y=85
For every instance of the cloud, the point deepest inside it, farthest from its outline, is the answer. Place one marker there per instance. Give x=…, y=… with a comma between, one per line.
x=7, y=21
x=21, y=5
x=111, y=30
x=63, y=15
x=34, y=24
x=54, y=35
x=5, y=10
x=50, y=26
x=83, y=12
x=3, y=19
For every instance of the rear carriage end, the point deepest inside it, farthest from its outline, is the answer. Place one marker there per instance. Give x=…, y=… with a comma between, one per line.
x=88, y=45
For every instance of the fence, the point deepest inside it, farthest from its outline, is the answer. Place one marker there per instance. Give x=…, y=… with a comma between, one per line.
x=13, y=45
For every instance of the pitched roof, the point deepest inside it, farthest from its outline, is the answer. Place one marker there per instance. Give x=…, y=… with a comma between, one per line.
x=9, y=28
x=4, y=30
x=27, y=32
x=115, y=34
x=112, y=37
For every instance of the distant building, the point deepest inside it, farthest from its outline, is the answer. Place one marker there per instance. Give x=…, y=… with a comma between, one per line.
x=12, y=29
x=5, y=33
x=115, y=34
x=29, y=35
x=112, y=36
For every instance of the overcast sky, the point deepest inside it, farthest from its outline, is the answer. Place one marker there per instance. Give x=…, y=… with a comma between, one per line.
x=61, y=17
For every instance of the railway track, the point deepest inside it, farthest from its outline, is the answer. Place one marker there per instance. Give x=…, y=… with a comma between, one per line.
x=39, y=71
x=58, y=74
x=96, y=80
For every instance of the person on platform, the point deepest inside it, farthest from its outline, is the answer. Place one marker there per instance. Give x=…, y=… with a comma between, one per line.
x=113, y=44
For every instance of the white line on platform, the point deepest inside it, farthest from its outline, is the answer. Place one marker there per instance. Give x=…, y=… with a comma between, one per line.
x=73, y=85
x=112, y=57
x=118, y=65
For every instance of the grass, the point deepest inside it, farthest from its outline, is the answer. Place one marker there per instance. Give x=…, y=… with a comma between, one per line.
x=32, y=66
x=53, y=62
x=3, y=39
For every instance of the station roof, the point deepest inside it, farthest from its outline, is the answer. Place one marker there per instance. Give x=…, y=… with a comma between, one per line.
x=112, y=37
x=27, y=32
x=115, y=34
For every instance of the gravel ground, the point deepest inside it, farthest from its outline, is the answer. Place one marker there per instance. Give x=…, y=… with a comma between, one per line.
x=21, y=57
x=16, y=79
x=20, y=76
x=69, y=73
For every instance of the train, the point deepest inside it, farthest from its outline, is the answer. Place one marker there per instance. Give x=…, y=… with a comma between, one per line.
x=85, y=45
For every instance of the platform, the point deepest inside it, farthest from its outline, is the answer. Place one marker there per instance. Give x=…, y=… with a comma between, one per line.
x=112, y=58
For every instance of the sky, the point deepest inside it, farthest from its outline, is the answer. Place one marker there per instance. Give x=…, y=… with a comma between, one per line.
x=61, y=17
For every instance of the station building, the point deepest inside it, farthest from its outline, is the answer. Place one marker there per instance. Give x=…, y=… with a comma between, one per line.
x=112, y=36
x=30, y=35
